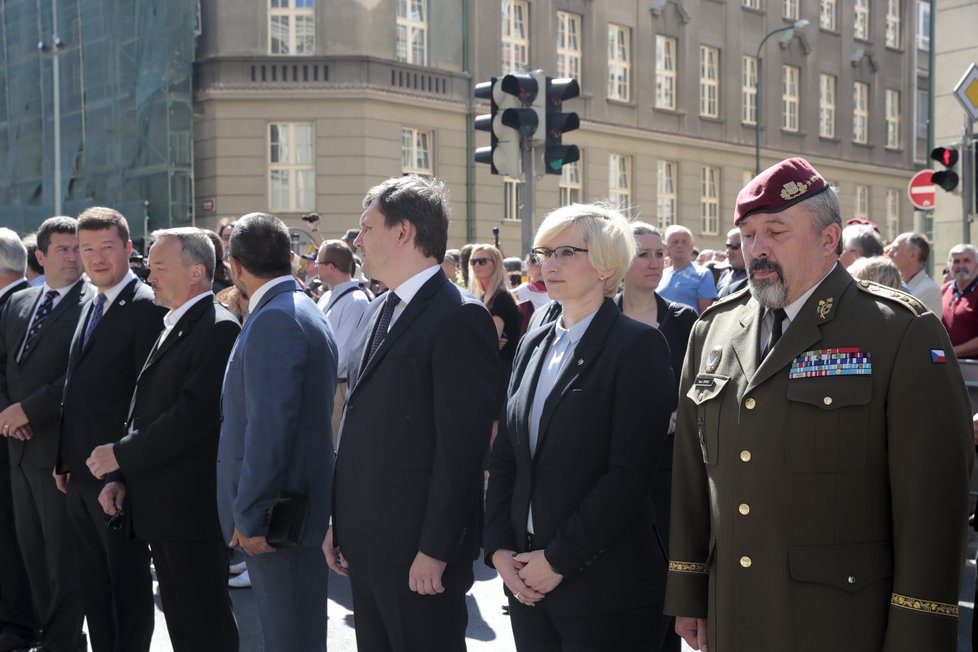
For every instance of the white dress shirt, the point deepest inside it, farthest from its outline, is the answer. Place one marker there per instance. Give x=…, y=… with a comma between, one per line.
x=171, y=318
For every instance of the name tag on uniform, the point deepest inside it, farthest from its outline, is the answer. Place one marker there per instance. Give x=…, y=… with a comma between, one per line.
x=846, y=361
x=705, y=381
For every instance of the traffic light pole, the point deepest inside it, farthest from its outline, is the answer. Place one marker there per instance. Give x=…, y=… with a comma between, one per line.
x=967, y=178
x=526, y=197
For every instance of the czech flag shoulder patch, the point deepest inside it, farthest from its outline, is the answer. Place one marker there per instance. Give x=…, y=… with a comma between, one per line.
x=937, y=356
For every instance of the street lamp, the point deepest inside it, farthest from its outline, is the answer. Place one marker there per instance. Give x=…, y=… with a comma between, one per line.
x=798, y=24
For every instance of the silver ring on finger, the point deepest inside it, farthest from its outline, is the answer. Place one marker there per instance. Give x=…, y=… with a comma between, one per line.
x=517, y=596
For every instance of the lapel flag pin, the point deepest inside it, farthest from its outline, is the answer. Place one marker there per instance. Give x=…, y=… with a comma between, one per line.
x=580, y=361
x=937, y=356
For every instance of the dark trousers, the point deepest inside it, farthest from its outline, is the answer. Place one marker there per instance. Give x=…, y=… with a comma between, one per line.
x=16, y=609
x=47, y=540
x=289, y=586
x=114, y=570
x=537, y=630
x=389, y=617
x=193, y=579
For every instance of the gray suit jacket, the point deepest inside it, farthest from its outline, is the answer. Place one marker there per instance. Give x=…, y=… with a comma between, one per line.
x=276, y=405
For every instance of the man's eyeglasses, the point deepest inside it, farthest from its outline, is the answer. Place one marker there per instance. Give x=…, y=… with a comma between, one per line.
x=478, y=262
x=733, y=245
x=563, y=253
x=321, y=263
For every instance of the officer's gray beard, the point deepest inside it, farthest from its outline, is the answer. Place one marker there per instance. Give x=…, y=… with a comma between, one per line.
x=770, y=293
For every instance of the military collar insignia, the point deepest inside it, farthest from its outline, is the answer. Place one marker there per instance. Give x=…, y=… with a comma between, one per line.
x=713, y=360
x=824, y=307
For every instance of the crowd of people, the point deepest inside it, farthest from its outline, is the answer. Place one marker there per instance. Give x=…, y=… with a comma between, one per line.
x=763, y=448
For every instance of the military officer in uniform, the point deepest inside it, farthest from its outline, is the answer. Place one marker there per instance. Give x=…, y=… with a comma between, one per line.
x=823, y=451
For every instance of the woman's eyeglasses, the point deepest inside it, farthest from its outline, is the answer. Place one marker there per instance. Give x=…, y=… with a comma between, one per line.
x=478, y=262
x=563, y=253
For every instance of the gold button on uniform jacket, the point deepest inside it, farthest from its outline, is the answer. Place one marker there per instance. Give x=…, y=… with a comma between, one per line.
x=820, y=497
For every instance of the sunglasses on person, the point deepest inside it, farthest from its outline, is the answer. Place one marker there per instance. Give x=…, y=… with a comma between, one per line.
x=563, y=253
x=478, y=262
x=733, y=245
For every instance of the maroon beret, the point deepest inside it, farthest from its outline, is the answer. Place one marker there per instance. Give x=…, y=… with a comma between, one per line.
x=778, y=187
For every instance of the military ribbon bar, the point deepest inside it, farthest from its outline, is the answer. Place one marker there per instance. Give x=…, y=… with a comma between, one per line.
x=844, y=361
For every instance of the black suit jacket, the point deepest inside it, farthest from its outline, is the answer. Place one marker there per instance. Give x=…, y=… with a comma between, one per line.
x=168, y=460
x=102, y=375
x=38, y=382
x=600, y=437
x=416, y=427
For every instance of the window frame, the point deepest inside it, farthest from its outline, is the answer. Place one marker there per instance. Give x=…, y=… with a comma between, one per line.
x=860, y=112
x=710, y=200
x=791, y=103
x=828, y=11
x=619, y=69
x=512, y=195
x=923, y=25
x=709, y=82
x=827, y=85
x=570, y=188
x=789, y=9
x=295, y=169
x=860, y=24
x=515, y=48
x=620, y=168
x=748, y=89
x=894, y=118
x=861, y=208
x=665, y=74
x=410, y=26
x=293, y=14
x=666, y=178
x=567, y=56
x=892, y=35
x=892, y=214
x=415, y=148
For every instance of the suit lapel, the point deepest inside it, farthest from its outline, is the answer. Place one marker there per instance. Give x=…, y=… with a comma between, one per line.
x=68, y=300
x=183, y=327
x=414, y=308
x=24, y=312
x=111, y=313
x=746, y=342
x=585, y=353
x=805, y=330
x=524, y=397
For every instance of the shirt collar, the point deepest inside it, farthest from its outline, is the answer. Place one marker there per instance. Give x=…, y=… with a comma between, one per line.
x=62, y=290
x=795, y=306
x=263, y=289
x=575, y=332
x=113, y=292
x=171, y=318
x=406, y=290
x=339, y=287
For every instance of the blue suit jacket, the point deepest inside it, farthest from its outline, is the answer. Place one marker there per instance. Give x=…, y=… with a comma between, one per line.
x=276, y=405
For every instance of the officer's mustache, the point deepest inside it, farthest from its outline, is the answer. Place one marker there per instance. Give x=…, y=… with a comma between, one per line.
x=765, y=265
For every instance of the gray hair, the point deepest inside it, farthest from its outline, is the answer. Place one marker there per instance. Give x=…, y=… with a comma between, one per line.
x=196, y=247
x=864, y=238
x=13, y=253
x=960, y=249
x=825, y=210
x=878, y=269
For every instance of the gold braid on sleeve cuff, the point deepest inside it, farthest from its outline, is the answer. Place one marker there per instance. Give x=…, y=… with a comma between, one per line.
x=925, y=606
x=687, y=567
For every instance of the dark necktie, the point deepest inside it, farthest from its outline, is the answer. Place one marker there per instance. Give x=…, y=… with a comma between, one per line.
x=39, y=318
x=95, y=318
x=383, y=323
x=779, y=316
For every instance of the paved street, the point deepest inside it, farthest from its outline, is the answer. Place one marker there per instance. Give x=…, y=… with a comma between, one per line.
x=489, y=628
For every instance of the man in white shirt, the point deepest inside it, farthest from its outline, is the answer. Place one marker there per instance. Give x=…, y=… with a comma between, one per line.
x=910, y=252
x=343, y=304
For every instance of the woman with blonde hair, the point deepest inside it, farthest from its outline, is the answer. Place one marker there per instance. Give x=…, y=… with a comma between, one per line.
x=569, y=520
x=487, y=280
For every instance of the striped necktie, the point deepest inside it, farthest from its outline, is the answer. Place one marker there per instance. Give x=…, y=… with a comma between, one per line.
x=39, y=318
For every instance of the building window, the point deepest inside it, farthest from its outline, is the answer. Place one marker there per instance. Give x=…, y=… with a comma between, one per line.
x=893, y=119
x=862, y=203
x=620, y=180
x=709, y=81
x=892, y=214
x=665, y=202
x=512, y=195
x=710, y=201
x=291, y=167
x=291, y=27
x=826, y=14
x=893, y=23
x=751, y=4
x=568, y=45
x=923, y=113
x=790, y=99
x=860, y=112
x=748, y=102
x=665, y=72
x=416, y=152
x=412, y=32
x=571, y=187
x=923, y=25
x=826, y=106
x=516, y=40
x=861, y=25
x=790, y=8
x=619, y=62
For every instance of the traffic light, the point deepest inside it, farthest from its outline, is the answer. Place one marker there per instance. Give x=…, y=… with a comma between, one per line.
x=948, y=157
x=516, y=113
x=556, y=154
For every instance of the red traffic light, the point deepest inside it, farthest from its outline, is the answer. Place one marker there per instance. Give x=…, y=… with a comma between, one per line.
x=945, y=155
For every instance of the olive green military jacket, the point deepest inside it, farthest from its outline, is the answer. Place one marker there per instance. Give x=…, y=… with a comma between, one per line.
x=820, y=497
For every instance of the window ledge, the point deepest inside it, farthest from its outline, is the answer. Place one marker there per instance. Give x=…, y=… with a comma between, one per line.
x=748, y=125
x=752, y=10
x=897, y=49
x=864, y=41
x=668, y=111
x=714, y=119
x=894, y=150
x=829, y=139
x=866, y=145
x=833, y=32
x=798, y=132
x=630, y=103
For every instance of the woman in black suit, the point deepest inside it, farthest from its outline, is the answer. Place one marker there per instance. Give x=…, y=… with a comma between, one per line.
x=639, y=301
x=569, y=520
